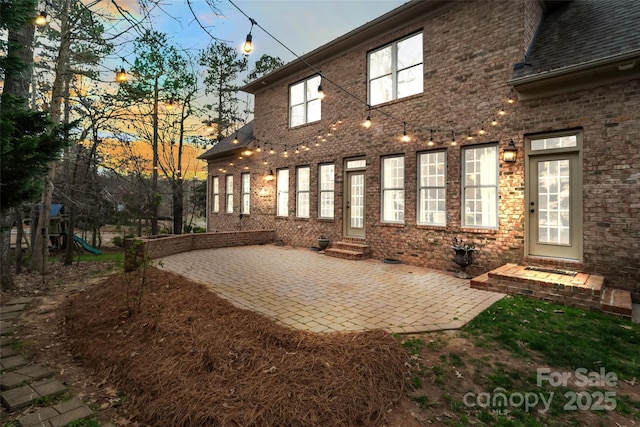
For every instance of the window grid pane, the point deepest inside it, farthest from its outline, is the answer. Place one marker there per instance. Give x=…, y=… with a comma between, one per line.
x=215, y=205
x=302, y=189
x=553, y=197
x=246, y=193
x=480, y=191
x=393, y=189
x=432, y=191
x=283, y=192
x=396, y=70
x=304, y=102
x=229, y=193
x=327, y=183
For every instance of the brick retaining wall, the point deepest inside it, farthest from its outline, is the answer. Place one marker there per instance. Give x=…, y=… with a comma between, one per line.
x=174, y=244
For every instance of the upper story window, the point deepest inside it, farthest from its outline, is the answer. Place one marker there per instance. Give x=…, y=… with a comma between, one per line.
x=480, y=186
x=229, y=193
x=395, y=70
x=302, y=192
x=326, y=185
x=283, y=192
x=245, y=202
x=393, y=189
x=215, y=194
x=304, y=102
x=432, y=174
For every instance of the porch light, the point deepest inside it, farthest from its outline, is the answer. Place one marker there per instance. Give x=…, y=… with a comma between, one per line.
x=270, y=176
x=510, y=152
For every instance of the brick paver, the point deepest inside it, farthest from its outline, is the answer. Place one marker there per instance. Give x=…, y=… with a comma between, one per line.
x=307, y=290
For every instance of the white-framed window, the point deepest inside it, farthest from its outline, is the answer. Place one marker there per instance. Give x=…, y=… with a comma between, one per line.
x=432, y=178
x=395, y=70
x=245, y=197
x=283, y=192
x=215, y=194
x=302, y=191
x=480, y=186
x=305, y=105
x=393, y=189
x=326, y=185
x=229, y=193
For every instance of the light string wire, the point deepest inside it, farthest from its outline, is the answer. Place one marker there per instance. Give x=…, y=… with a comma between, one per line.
x=406, y=124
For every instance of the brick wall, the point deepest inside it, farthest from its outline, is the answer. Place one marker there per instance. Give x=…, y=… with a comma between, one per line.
x=169, y=245
x=470, y=49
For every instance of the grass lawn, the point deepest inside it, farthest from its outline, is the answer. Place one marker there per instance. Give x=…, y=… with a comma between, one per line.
x=524, y=362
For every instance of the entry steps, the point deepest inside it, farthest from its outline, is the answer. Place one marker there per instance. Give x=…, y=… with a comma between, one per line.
x=582, y=290
x=349, y=248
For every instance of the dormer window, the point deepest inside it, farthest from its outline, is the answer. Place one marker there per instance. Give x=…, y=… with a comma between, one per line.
x=395, y=70
x=304, y=102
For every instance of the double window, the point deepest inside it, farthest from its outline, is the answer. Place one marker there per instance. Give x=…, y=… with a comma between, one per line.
x=393, y=189
x=302, y=192
x=395, y=70
x=215, y=194
x=304, y=102
x=282, y=192
x=480, y=186
x=432, y=175
x=245, y=197
x=326, y=182
x=229, y=193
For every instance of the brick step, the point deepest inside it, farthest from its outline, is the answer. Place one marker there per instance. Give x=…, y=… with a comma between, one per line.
x=617, y=301
x=345, y=254
x=351, y=245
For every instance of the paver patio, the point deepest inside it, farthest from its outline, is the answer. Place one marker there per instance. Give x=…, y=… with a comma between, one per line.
x=310, y=291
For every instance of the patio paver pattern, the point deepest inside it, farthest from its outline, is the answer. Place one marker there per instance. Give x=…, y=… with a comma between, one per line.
x=307, y=290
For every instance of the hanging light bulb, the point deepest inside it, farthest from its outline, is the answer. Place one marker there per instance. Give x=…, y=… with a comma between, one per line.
x=430, y=143
x=285, y=153
x=502, y=112
x=169, y=105
x=320, y=90
x=482, y=131
x=510, y=98
x=258, y=149
x=297, y=151
x=272, y=151
x=121, y=76
x=235, y=139
x=405, y=137
x=453, y=138
x=469, y=136
x=367, y=122
x=247, y=48
x=494, y=122
x=41, y=20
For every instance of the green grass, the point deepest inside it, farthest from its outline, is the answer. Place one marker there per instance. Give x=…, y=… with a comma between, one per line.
x=116, y=257
x=562, y=336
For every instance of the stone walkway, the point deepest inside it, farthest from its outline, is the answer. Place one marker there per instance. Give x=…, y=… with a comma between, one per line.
x=310, y=291
x=25, y=385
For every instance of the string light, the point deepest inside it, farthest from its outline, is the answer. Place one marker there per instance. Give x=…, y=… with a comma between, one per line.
x=367, y=122
x=320, y=90
x=121, y=76
x=482, y=131
x=247, y=48
x=453, y=138
x=494, y=122
x=502, y=112
x=41, y=20
x=430, y=143
x=405, y=137
x=235, y=140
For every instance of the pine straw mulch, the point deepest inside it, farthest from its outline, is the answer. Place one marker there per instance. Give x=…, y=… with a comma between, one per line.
x=190, y=358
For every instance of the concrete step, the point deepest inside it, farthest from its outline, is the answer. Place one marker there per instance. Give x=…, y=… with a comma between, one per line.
x=26, y=395
x=58, y=415
x=618, y=302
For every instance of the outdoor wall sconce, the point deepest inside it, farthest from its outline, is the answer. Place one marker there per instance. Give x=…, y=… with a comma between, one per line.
x=269, y=176
x=510, y=152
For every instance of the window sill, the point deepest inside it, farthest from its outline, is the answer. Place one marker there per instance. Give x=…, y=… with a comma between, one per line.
x=478, y=230
x=395, y=101
x=392, y=224
x=326, y=219
x=301, y=218
x=304, y=125
x=431, y=227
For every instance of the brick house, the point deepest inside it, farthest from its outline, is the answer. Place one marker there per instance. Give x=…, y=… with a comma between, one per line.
x=444, y=73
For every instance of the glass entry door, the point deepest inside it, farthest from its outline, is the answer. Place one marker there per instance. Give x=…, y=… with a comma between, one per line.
x=554, y=206
x=354, y=205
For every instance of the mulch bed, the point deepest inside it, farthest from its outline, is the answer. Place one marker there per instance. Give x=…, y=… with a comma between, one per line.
x=191, y=358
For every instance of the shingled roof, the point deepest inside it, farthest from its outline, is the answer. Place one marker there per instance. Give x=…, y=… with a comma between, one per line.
x=581, y=34
x=227, y=147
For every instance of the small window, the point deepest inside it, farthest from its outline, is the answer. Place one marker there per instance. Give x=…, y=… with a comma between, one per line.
x=395, y=70
x=283, y=192
x=229, y=193
x=215, y=194
x=554, y=142
x=304, y=102
x=393, y=189
x=246, y=194
x=326, y=179
x=432, y=173
x=302, y=192
x=480, y=187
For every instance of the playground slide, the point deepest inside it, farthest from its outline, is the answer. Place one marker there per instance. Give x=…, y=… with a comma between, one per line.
x=87, y=247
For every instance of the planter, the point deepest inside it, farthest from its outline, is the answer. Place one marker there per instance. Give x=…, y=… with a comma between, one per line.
x=464, y=257
x=323, y=243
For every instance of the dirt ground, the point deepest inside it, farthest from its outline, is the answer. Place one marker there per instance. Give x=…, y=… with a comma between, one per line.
x=80, y=326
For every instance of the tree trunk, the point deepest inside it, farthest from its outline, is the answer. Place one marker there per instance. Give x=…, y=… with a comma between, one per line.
x=177, y=207
x=19, y=236
x=6, y=278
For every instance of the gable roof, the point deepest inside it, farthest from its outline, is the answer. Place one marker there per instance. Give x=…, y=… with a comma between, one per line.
x=227, y=147
x=590, y=39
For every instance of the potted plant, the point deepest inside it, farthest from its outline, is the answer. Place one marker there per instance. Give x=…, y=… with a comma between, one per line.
x=323, y=242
